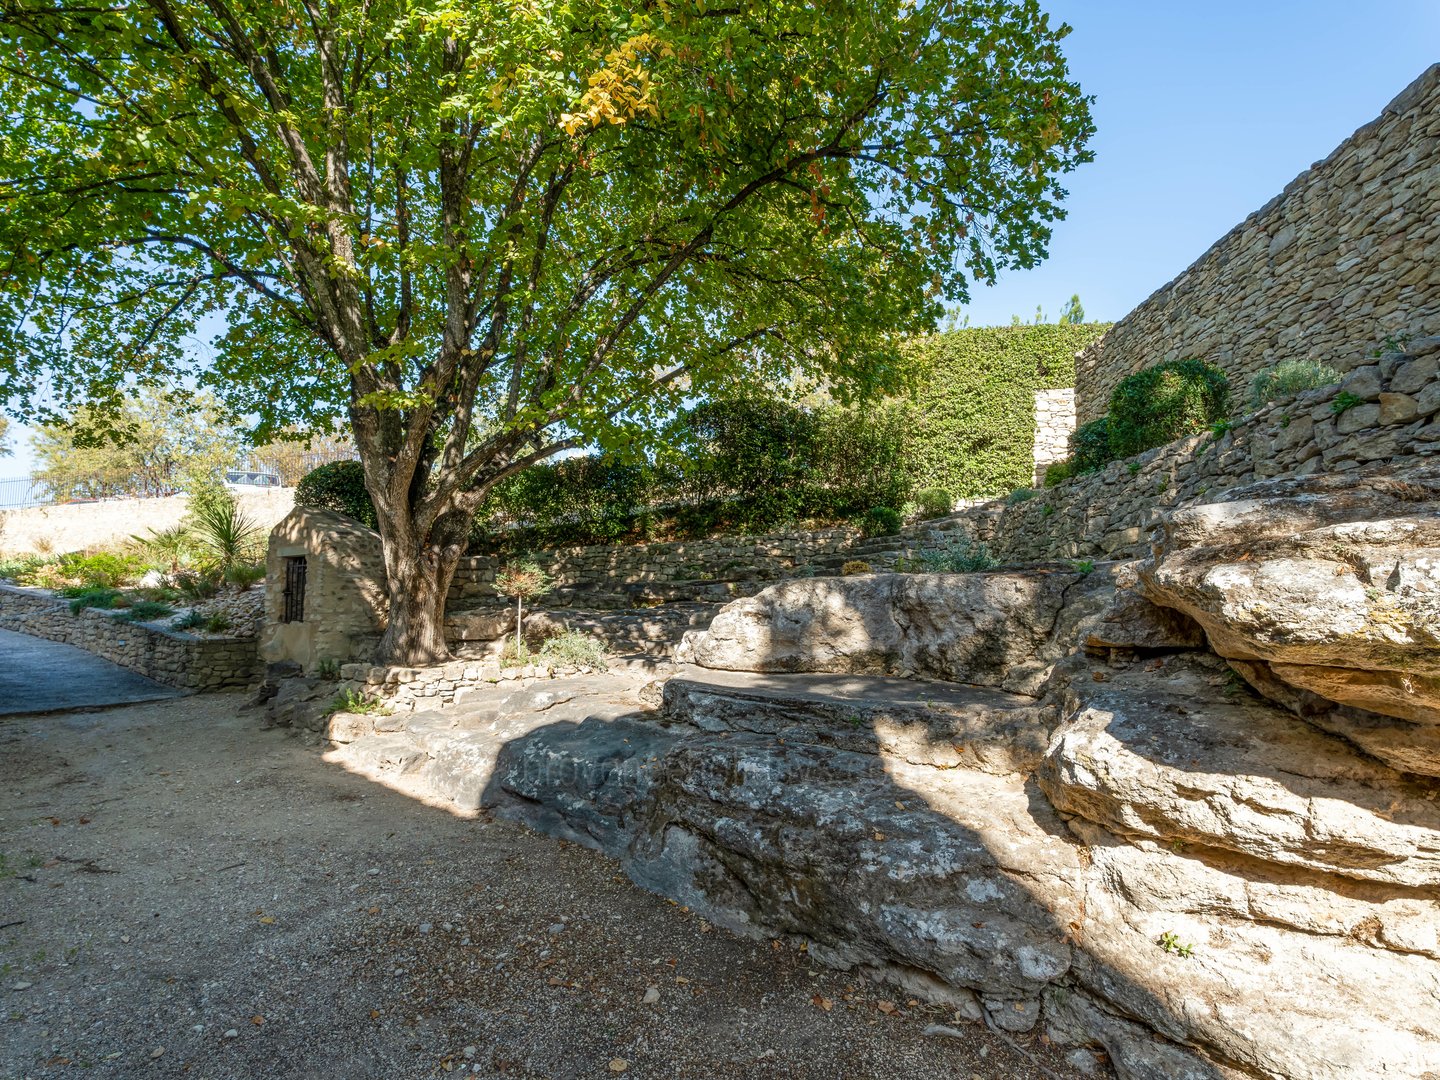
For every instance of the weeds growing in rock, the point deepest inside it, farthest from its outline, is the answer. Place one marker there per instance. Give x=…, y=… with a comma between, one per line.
x=1288, y=378
x=354, y=701
x=1172, y=944
x=960, y=556
x=571, y=648
x=1345, y=401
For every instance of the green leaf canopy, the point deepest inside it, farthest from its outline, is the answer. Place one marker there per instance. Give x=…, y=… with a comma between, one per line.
x=487, y=231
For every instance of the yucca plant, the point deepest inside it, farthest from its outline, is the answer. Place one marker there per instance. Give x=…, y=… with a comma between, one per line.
x=225, y=535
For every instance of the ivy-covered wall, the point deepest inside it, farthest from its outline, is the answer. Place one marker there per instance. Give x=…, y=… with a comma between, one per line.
x=973, y=409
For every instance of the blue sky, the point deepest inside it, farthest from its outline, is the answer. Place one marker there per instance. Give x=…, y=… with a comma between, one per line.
x=1205, y=111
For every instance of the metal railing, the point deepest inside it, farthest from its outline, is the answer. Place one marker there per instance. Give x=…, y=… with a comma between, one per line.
x=20, y=492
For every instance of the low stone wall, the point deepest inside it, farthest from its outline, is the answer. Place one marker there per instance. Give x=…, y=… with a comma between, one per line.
x=1346, y=255
x=82, y=525
x=167, y=656
x=1395, y=416
x=638, y=574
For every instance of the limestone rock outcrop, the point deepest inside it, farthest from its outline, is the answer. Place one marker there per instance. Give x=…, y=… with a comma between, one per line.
x=1001, y=629
x=1332, y=583
x=1251, y=914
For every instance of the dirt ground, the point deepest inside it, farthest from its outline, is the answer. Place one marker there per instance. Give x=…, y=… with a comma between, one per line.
x=185, y=895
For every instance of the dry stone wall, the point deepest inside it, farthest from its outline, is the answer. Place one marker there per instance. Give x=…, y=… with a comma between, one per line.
x=635, y=575
x=167, y=656
x=1384, y=411
x=1346, y=256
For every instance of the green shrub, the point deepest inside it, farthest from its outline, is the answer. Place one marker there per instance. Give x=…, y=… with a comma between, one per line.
x=852, y=567
x=571, y=648
x=21, y=569
x=1090, y=446
x=226, y=538
x=104, y=599
x=1288, y=378
x=970, y=418
x=960, y=556
x=100, y=570
x=338, y=486
x=731, y=465
x=1163, y=403
x=1019, y=495
x=243, y=575
x=880, y=521
x=147, y=611
x=200, y=584
x=933, y=502
x=190, y=620
x=1058, y=472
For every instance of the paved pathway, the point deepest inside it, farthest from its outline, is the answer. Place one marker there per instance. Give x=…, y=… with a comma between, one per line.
x=45, y=676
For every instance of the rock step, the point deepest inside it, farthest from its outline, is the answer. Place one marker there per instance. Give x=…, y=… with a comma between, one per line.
x=921, y=722
x=1185, y=756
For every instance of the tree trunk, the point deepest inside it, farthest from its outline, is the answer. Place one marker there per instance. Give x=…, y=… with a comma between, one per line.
x=418, y=576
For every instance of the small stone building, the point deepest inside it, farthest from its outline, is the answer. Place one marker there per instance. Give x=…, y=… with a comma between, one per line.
x=324, y=590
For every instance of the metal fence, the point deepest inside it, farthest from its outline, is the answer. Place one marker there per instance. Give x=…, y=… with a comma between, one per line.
x=19, y=492
x=22, y=491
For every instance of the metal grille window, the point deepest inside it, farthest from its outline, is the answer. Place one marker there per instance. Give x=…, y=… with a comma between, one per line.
x=294, y=589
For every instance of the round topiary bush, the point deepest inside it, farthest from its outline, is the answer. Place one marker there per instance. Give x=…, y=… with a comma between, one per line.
x=933, y=502
x=881, y=521
x=338, y=486
x=1166, y=402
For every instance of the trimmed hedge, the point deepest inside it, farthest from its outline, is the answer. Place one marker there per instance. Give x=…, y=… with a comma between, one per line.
x=734, y=465
x=972, y=413
x=338, y=486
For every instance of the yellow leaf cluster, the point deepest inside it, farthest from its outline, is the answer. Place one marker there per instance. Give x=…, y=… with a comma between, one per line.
x=620, y=90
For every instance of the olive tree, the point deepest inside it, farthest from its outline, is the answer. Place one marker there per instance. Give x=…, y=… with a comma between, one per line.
x=483, y=233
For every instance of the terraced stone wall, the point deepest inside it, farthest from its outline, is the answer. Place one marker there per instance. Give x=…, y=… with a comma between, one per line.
x=1346, y=255
x=719, y=568
x=167, y=656
x=1385, y=411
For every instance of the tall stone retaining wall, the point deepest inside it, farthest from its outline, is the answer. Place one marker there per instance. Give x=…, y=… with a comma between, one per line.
x=1390, y=412
x=81, y=525
x=167, y=656
x=1346, y=255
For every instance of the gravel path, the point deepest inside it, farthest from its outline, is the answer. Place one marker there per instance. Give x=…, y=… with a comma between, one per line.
x=184, y=895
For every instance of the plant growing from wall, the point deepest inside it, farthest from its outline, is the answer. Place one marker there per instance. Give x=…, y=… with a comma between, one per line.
x=1288, y=378
x=521, y=580
x=1163, y=403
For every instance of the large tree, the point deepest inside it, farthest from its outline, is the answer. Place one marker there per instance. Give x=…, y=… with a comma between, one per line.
x=488, y=231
